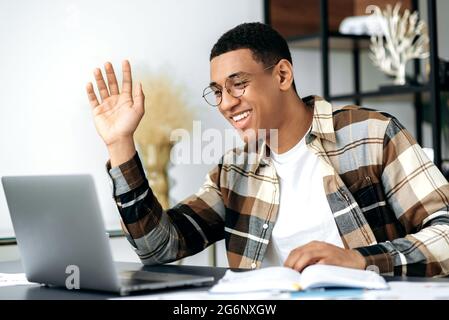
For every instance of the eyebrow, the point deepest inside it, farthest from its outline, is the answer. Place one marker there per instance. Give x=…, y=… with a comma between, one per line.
x=235, y=74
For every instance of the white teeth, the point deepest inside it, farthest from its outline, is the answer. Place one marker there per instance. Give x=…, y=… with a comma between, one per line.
x=241, y=116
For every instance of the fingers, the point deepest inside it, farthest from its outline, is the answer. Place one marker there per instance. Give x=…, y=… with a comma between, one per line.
x=299, y=259
x=306, y=260
x=139, y=97
x=317, y=252
x=101, y=85
x=112, y=80
x=304, y=256
x=293, y=257
x=91, y=95
x=127, y=80
x=113, y=85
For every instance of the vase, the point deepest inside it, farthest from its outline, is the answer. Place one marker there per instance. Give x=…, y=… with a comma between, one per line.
x=156, y=158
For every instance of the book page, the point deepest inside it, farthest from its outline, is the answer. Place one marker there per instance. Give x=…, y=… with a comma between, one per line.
x=265, y=279
x=286, y=279
x=320, y=275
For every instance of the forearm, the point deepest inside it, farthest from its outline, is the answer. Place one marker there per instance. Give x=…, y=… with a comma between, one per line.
x=160, y=236
x=425, y=253
x=121, y=151
x=143, y=220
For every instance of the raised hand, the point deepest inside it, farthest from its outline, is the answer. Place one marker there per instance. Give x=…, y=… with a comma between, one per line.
x=119, y=113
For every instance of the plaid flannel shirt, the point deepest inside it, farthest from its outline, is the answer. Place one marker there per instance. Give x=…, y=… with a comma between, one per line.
x=389, y=201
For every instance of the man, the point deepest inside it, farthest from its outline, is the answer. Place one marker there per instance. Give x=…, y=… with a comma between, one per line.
x=344, y=186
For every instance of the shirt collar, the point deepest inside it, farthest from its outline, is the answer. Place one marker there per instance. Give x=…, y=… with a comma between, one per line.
x=322, y=122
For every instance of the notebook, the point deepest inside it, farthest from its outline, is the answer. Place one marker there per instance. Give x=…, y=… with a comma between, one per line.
x=286, y=279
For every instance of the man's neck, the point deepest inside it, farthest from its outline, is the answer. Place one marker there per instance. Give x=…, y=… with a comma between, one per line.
x=297, y=118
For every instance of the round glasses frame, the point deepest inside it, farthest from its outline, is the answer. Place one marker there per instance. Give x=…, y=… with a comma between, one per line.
x=229, y=90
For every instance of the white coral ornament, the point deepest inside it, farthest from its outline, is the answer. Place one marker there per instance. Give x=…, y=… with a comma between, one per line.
x=404, y=38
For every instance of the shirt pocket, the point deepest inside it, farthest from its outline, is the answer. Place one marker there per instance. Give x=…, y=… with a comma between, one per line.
x=365, y=193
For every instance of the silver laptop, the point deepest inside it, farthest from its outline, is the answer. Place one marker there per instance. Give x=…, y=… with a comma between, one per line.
x=60, y=233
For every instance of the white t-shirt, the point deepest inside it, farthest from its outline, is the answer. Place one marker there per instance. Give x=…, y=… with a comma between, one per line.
x=304, y=213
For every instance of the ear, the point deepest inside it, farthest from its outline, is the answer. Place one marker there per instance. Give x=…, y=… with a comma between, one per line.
x=285, y=74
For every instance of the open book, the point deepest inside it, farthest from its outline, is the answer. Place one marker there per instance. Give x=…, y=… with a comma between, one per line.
x=286, y=279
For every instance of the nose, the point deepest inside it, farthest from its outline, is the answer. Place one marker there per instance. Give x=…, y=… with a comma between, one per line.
x=228, y=102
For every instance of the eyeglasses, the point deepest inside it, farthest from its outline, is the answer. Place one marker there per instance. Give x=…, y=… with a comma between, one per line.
x=235, y=85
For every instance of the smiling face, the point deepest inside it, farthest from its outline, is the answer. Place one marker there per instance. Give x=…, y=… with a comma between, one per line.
x=258, y=107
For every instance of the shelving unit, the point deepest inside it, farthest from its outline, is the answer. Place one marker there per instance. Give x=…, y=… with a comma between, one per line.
x=327, y=40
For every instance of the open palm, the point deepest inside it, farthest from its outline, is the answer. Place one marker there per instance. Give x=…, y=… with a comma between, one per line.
x=119, y=113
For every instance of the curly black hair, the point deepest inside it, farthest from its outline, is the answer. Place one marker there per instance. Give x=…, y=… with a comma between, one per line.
x=267, y=45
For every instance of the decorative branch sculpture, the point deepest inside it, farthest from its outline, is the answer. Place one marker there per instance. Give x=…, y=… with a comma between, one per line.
x=404, y=38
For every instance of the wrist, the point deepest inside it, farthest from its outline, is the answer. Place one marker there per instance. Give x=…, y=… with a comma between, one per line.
x=360, y=260
x=121, y=150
